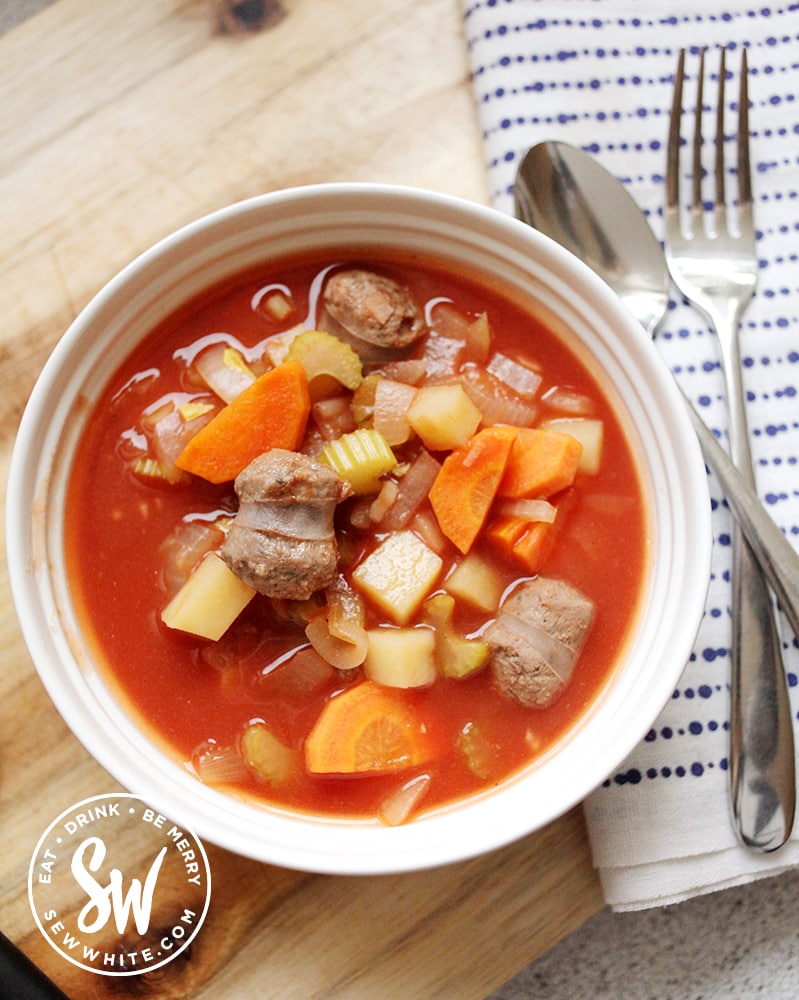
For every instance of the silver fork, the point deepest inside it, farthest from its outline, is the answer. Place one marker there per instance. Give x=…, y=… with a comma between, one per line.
x=715, y=268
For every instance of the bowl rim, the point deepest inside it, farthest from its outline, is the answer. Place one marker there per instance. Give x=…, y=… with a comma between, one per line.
x=351, y=847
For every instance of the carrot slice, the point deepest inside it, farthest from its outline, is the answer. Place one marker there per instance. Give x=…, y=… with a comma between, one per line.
x=541, y=462
x=270, y=413
x=530, y=543
x=367, y=728
x=467, y=482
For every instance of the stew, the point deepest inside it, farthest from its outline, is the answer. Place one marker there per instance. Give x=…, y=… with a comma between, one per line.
x=356, y=536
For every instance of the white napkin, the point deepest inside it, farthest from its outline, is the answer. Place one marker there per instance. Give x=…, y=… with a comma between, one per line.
x=598, y=74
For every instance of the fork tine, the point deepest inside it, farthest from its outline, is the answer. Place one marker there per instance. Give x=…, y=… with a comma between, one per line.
x=673, y=146
x=719, y=170
x=744, y=169
x=696, y=199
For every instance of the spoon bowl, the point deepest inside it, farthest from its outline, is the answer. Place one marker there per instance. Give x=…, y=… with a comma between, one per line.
x=567, y=195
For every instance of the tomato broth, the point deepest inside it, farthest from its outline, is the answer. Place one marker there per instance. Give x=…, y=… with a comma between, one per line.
x=196, y=696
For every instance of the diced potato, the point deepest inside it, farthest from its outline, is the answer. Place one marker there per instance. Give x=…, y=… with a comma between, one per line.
x=589, y=432
x=475, y=581
x=277, y=306
x=443, y=416
x=209, y=601
x=361, y=458
x=401, y=657
x=398, y=574
x=264, y=754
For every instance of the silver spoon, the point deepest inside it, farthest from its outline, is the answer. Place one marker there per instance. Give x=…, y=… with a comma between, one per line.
x=570, y=197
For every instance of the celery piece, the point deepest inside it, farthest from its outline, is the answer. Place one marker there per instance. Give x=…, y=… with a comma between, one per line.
x=209, y=601
x=398, y=574
x=232, y=359
x=193, y=409
x=401, y=657
x=460, y=657
x=361, y=458
x=457, y=656
x=151, y=469
x=265, y=755
x=438, y=611
x=328, y=362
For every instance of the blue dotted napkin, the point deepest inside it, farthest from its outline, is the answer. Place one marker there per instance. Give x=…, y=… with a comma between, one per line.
x=598, y=74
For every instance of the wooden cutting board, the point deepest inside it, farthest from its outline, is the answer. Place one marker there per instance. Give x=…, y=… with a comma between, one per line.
x=120, y=121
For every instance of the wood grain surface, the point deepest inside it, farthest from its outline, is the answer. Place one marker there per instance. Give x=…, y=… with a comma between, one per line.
x=121, y=121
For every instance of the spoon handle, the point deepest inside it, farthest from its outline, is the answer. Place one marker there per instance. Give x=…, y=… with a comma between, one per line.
x=761, y=758
x=774, y=552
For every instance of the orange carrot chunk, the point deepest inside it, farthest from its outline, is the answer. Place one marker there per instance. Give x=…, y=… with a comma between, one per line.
x=541, y=463
x=367, y=728
x=270, y=413
x=529, y=543
x=467, y=482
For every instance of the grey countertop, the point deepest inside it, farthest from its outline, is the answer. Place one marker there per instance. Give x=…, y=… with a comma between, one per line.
x=732, y=945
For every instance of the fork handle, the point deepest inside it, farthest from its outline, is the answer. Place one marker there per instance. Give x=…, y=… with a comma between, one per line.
x=762, y=761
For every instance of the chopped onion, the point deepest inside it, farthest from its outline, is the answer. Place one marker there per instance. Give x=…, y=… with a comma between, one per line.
x=383, y=501
x=397, y=806
x=337, y=632
x=390, y=415
x=414, y=487
x=170, y=433
x=528, y=510
x=533, y=739
x=448, y=321
x=224, y=371
x=425, y=525
x=276, y=348
x=183, y=550
x=410, y=371
x=216, y=764
x=609, y=504
x=568, y=400
x=442, y=358
x=498, y=403
x=333, y=417
x=514, y=374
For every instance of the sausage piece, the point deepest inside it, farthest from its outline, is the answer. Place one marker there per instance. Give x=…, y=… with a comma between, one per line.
x=376, y=316
x=282, y=542
x=536, y=639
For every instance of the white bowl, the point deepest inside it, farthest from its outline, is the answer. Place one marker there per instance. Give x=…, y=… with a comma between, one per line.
x=272, y=226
